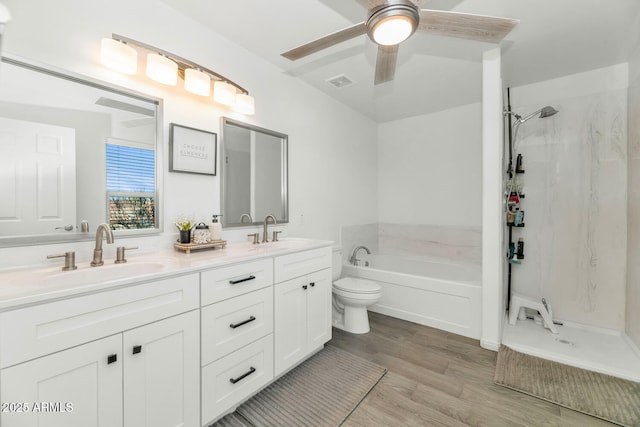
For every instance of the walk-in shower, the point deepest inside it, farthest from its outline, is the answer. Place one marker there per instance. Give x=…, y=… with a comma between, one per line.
x=565, y=256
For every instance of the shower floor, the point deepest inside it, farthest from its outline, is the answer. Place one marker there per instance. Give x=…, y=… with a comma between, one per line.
x=598, y=350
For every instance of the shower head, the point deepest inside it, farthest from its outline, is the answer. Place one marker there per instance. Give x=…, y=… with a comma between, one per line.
x=547, y=111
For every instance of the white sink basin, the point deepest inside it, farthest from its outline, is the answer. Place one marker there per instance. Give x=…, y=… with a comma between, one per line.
x=105, y=273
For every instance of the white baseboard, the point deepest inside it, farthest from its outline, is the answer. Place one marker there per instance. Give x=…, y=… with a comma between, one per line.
x=489, y=345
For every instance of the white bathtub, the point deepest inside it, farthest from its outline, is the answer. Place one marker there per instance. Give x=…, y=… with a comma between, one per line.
x=436, y=293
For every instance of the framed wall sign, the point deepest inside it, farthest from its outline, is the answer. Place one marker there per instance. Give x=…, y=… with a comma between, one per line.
x=192, y=150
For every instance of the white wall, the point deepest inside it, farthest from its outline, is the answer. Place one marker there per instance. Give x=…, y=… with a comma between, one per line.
x=576, y=196
x=493, y=302
x=331, y=148
x=430, y=168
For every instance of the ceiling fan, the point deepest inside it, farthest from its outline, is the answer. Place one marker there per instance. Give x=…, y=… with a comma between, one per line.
x=391, y=22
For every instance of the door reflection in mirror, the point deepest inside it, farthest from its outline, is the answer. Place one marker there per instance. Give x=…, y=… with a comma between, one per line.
x=254, y=174
x=73, y=149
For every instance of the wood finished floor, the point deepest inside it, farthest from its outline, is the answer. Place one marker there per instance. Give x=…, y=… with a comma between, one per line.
x=436, y=378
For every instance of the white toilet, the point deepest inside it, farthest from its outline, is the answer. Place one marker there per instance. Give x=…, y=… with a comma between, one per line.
x=351, y=297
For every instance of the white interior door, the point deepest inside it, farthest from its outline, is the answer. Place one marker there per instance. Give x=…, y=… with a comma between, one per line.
x=37, y=177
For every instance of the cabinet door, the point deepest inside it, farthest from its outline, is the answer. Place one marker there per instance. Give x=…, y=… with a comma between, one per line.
x=79, y=387
x=290, y=325
x=318, y=309
x=161, y=373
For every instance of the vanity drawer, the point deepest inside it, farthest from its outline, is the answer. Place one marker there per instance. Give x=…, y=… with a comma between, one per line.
x=300, y=263
x=250, y=368
x=34, y=331
x=228, y=282
x=234, y=323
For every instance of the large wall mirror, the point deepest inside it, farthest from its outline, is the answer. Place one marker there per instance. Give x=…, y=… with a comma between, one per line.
x=254, y=174
x=74, y=153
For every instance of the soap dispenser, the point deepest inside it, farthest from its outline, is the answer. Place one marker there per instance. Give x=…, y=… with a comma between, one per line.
x=215, y=228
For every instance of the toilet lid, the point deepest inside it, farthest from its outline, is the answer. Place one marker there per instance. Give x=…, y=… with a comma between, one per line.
x=357, y=285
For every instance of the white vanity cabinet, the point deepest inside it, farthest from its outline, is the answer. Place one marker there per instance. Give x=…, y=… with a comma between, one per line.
x=124, y=357
x=302, y=306
x=237, y=334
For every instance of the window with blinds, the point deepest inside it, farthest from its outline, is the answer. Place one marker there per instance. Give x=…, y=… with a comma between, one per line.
x=131, y=187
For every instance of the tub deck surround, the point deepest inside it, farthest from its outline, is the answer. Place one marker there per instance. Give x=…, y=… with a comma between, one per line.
x=26, y=286
x=428, y=291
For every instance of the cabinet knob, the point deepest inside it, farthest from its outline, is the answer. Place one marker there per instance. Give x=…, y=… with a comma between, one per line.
x=112, y=358
x=304, y=287
x=137, y=349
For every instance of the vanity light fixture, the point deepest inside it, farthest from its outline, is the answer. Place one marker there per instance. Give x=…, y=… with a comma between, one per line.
x=165, y=68
x=118, y=56
x=224, y=93
x=195, y=81
x=245, y=104
x=162, y=69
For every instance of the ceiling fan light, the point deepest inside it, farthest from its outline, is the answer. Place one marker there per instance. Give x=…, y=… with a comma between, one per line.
x=245, y=104
x=392, y=30
x=162, y=69
x=224, y=93
x=118, y=56
x=195, y=81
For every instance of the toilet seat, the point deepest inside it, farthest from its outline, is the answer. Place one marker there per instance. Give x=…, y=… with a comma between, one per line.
x=356, y=286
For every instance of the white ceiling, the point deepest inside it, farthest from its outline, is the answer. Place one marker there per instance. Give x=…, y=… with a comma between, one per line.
x=554, y=38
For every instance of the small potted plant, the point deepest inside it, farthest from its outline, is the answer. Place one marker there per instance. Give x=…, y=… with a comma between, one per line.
x=184, y=225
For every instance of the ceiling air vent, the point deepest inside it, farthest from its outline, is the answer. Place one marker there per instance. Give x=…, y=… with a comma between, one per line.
x=340, y=81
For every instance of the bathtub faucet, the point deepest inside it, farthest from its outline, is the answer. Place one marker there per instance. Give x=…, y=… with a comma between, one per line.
x=354, y=256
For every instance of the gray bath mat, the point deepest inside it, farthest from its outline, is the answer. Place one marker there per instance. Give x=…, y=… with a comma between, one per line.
x=603, y=396
x=322, y=391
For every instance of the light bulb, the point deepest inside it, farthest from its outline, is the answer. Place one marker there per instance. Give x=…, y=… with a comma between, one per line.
x=118, y=56
x=392, y=30
x=195, y=81
x=162, y=69
x=245, y=104
x=224, y=93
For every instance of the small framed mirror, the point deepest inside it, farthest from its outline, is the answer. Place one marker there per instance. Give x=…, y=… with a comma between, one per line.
x=254, y=174
x=74, y=152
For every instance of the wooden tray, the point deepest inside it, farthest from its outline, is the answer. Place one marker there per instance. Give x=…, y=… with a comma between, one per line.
x=188, y=247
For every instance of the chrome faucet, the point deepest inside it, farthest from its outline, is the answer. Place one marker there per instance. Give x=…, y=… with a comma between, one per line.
x=245, y=215
x=354, y=256
x=265, y=237
x=97, y=252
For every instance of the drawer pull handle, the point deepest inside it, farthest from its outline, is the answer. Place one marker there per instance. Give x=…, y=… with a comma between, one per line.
x=250, y=319
x=137, y=349
x=246, y=279
x=112, y=358
x=243, y=376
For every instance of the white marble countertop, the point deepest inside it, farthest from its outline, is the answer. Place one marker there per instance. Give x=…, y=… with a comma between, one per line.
x=27, y=286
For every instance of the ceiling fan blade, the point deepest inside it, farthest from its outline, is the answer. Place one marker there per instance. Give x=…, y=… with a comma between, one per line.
x=491, y=29
x=326, y=41
x=386, y=63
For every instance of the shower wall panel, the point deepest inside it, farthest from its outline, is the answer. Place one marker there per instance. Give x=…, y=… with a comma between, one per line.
x=633, y=270
x=575, y=186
